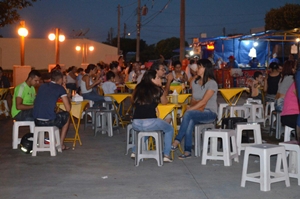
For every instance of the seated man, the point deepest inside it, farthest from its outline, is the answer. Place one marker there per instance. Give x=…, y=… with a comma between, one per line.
x=45, y=104
x=254, y=84
x=23, y=99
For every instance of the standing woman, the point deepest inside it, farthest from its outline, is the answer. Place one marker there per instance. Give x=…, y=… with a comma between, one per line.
x=146, y=96
x=87, y=84
x=203, y=108
x=271, y=82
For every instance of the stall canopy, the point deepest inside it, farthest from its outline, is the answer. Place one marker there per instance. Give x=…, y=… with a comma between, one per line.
x=239, y=45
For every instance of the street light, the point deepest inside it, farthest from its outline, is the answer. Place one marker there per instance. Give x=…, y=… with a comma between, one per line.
x=84, y=49
x=58, y=38
x=23, y=32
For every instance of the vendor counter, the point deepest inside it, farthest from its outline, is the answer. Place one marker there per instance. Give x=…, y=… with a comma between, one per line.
x=235, y=77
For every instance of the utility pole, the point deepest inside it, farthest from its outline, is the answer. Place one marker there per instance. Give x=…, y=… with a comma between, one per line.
x=124, y=34
x=182, y=29
x=138, y=26
x=119, y=13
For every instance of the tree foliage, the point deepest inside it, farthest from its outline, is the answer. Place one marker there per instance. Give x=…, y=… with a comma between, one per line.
x=283, y=18
x=165, y=47
x=9, y=10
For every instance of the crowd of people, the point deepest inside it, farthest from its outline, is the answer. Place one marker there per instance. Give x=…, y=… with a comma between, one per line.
x=153, y=87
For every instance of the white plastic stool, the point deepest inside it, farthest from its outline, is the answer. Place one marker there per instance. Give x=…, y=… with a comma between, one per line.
x=240, y=127
x=199, y=129
x=265, y=177
x=226, y=135
x=270, y=106
x=39, y=139
x=294, y=159
x=236, y=111
x=141, y=148
x=221, y=111
x=106, y=119
x=130, y=138
x=256, y=113
x=287, y=133
x=15, y=134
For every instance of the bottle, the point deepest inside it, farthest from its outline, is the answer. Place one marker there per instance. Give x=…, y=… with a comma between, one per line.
x=175, y=97
x=227, y=83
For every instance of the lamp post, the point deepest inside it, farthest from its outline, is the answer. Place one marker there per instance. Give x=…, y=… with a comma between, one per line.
x=84, y=48
x=58, y=38
x=23, y=32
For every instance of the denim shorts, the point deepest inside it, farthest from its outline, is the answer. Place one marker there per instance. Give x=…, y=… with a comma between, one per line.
x=60, y=120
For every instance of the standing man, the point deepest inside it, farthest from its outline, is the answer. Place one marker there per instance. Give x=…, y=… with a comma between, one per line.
x=24, y=96
x=45, y=104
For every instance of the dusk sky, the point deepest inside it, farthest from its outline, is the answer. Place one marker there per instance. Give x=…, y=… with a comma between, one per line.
x=161, y=22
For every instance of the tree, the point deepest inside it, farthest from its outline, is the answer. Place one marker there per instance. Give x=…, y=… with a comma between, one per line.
x=283, y=18
x=165, y=47
x=9, y=10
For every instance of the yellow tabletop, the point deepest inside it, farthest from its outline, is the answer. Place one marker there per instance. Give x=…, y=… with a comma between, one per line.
x=119, y=97
x=178, y=88
x=232, y=95
x=130, y=85
x=183, y=97
x=76, y=111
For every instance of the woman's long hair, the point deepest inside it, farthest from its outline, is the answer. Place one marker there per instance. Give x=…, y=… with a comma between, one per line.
x=288, y=67
x=146, y=91
x=208, y=73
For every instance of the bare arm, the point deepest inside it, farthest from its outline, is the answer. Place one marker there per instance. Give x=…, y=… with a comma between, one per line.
x=200, y=104
x=21, y=106
x=66, y=103
x=88, y=86
x=266, y=83
x=167, y=86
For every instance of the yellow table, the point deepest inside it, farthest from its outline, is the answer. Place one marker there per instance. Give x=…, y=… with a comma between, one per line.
x=130, y=85
x=119, y=98
x=232, y=95
x=178, y=88
x=76, y=111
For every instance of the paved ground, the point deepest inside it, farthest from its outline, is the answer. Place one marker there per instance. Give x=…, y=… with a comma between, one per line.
x=99, y=169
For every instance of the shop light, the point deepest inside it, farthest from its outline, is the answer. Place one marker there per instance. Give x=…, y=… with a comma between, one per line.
x=255, y=44
x=210, y=47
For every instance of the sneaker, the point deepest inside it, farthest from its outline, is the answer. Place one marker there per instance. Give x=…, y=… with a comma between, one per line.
x=183, y=156
x=132, y=155
x=167, y=159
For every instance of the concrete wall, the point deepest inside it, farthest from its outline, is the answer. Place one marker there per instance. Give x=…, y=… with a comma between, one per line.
x=39, y=53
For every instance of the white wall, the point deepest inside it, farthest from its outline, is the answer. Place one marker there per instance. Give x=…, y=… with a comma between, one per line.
x=39, y=53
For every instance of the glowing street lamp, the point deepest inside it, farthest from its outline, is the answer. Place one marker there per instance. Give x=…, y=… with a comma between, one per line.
x=23, y=32
x=58, y=38
x=84, y=49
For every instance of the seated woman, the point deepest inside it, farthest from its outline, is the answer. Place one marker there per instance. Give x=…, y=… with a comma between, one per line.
x=271, y=82
x=290, y=109
x=285, y=82
x=178, y=74
x=87, y=84
x=71, y=78
x=146, y=96
x=255, y=84
x=203, y=108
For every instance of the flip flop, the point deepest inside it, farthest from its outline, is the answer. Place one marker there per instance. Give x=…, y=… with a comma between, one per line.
x=65, y=148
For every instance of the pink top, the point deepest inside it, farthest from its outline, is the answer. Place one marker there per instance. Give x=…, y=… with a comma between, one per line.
x=290, y=104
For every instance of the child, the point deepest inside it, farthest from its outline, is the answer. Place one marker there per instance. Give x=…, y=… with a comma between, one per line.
x=109, y=86
x=254, y=84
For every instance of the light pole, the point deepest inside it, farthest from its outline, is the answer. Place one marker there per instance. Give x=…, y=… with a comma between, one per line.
x=84, y=48
x=58, y=38
x=23, y=32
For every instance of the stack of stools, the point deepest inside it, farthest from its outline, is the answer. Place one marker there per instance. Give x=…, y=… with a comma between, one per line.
x=199, y=129
x=270, y=106
x=141, y=146
x=104, y=121
x=294, y=158
x=226, y=155
x=275, y=114
x=256, y=113
x=39, y=139
x=265, y=177
x=240, y=127
x=15, y=134
x=130, y=139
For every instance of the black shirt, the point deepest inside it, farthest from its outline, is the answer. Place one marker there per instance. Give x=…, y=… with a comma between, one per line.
x=145, y=111
x=273, y=84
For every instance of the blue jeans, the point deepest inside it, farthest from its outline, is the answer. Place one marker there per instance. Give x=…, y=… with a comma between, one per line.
x=190, y=119
x=95, y=97
x=154, y=124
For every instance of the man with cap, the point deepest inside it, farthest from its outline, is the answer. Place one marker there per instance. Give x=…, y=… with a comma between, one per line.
x=232, y=63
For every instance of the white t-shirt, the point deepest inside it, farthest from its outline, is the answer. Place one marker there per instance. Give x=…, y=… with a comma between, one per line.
x=108, y=88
